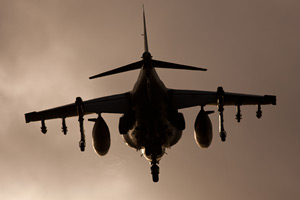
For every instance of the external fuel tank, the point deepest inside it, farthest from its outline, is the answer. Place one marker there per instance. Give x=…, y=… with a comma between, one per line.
x=101, y=137
x=203, y=129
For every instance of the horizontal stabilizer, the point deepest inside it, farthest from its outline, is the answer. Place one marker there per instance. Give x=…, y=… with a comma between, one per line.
x=167, y=65
x=125, y=68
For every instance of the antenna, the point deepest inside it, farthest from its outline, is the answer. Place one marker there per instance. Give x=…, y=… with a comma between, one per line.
x=145, y=32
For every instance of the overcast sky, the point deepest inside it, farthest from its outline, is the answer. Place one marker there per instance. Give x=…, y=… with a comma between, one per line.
x=48, y=49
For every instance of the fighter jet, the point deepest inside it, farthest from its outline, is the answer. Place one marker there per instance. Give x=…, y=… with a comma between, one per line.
x=150, y=120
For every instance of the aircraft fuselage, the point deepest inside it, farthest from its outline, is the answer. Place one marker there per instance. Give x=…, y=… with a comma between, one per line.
x=152, y=130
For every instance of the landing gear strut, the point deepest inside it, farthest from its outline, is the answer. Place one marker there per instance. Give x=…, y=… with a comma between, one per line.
x=220, y=98
x=43, y=127
x=79, y=105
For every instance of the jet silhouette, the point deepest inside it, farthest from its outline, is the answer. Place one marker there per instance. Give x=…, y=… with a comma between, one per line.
x=150, y=121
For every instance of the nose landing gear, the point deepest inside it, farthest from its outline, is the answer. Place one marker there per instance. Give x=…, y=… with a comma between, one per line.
x=153, y=158
x=154, y=171
x=153, y=152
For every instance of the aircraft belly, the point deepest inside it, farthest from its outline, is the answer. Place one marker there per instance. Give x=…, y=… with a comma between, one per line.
x=163, y=134
x=150, y=105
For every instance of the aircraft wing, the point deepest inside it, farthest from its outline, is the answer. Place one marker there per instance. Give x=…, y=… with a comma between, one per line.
x=111, y=104
x=188, y=98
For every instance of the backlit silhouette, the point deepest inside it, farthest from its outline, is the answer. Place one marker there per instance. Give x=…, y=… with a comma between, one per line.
x=151, y=121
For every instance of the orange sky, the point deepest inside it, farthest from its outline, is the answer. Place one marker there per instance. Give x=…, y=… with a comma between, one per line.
x=50, y=48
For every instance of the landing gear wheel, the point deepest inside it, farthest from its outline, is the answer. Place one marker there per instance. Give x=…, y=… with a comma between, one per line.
x=123, y=127
x=126, y=123
x=155, y=172
x=223, y=136
x=82, y=145
x=180, y=122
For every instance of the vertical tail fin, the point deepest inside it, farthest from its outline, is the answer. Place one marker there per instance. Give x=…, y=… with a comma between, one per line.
x=145, y=32
x=146, y=56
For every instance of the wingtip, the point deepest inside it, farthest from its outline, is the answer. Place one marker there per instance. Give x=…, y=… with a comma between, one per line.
x=272, y=99
x=29, y=116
